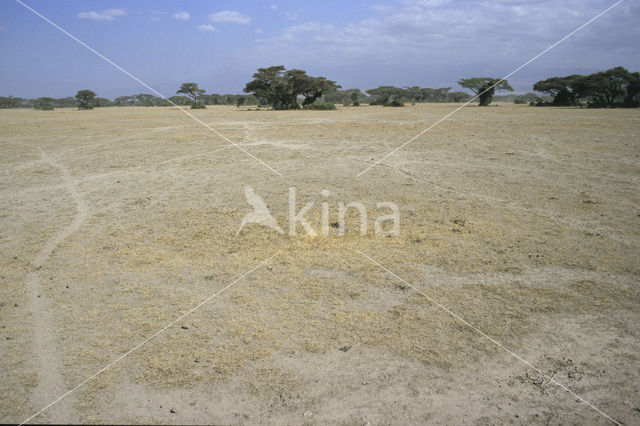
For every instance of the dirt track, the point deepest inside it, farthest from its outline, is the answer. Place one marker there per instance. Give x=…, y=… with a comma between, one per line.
x=524, y=221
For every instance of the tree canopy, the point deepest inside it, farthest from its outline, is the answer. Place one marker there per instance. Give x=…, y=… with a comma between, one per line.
x=192, y=91
x=485, y=87
x=290, y=89
x=279, y=88
x=561, y=88
x=386, y=95
x=613, y=87
x=44, y=104
x=85, y=99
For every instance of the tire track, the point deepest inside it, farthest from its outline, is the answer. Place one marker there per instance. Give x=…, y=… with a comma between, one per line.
x=45, y=348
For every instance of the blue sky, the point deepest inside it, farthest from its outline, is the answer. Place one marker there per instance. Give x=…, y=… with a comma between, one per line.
x=220, y=44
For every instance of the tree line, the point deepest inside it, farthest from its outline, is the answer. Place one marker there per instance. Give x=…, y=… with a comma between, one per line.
x=616, y=87
x=144, y=99
x=282, y=89
x=85, y=100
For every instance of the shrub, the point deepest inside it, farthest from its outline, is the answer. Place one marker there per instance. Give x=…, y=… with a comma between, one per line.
x=44, y=107
x=356, y=103
x=198, y=106
x=540, y=102
x=44, y=104
x=320, y=106
x=394, y=103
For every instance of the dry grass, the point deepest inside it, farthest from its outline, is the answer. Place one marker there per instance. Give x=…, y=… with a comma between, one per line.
x=520, y=219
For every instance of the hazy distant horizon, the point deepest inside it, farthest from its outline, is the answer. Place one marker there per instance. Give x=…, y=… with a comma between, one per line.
x=427, y=43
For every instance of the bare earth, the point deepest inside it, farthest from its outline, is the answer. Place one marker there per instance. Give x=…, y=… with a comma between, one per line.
x=523, y=221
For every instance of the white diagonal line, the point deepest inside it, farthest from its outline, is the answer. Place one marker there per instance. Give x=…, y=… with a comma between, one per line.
x=489, y=338
x=148, y=87
x=138, y=346
x=491, y=87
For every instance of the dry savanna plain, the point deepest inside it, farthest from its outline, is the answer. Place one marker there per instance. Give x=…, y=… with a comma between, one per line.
x=524, y=222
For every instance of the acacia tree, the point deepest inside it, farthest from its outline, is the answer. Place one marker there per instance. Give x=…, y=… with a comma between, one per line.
x=85, y=99
x=354, y=98
x=426, y=94
x=103, y=102
x=193, y=92
x=614, y=87
x=280, y=88
x=485, y=87
x=632, y=99
x=311, y=88
x=44, y=104
x=385, y=95
x=561, y=88
x=605, y=88
x=266, y=85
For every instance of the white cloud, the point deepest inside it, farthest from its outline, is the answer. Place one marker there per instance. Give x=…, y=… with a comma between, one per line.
x=182, y=16
x=229, y=16
x=382, y=7
x=432, y=42
x=105, y=15
x=258, y=31
x=273, y=7
x=291, y=16
x=206, y=28
x=301, y=31
x=311, y=26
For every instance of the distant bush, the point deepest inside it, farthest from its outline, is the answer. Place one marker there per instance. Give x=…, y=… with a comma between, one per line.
x=44, y=107
x=540, y=103
x=102, y=102
x=394, y=103
x=519, y=101
x=198, y=106
x=356, y=103
x=44, y=104
x=320, y=106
